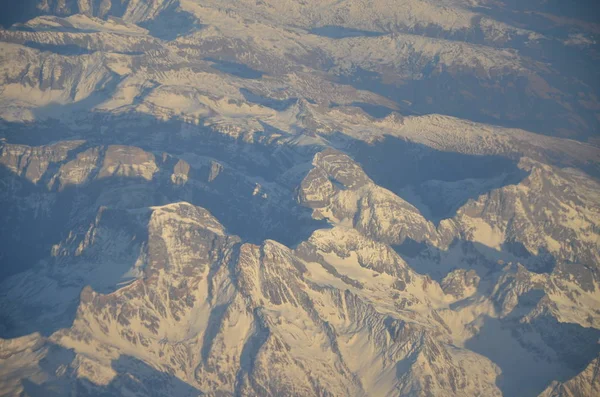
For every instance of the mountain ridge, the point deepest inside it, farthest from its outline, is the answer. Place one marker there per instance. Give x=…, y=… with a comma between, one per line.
x=277, y=198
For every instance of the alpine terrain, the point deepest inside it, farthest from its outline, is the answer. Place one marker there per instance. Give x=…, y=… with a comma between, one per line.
x=300, y=198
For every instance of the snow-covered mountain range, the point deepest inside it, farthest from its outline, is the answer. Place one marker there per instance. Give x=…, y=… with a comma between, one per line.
x=299, y=198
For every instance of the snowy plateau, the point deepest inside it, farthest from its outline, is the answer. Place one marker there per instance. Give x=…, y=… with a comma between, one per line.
x=300, y=198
